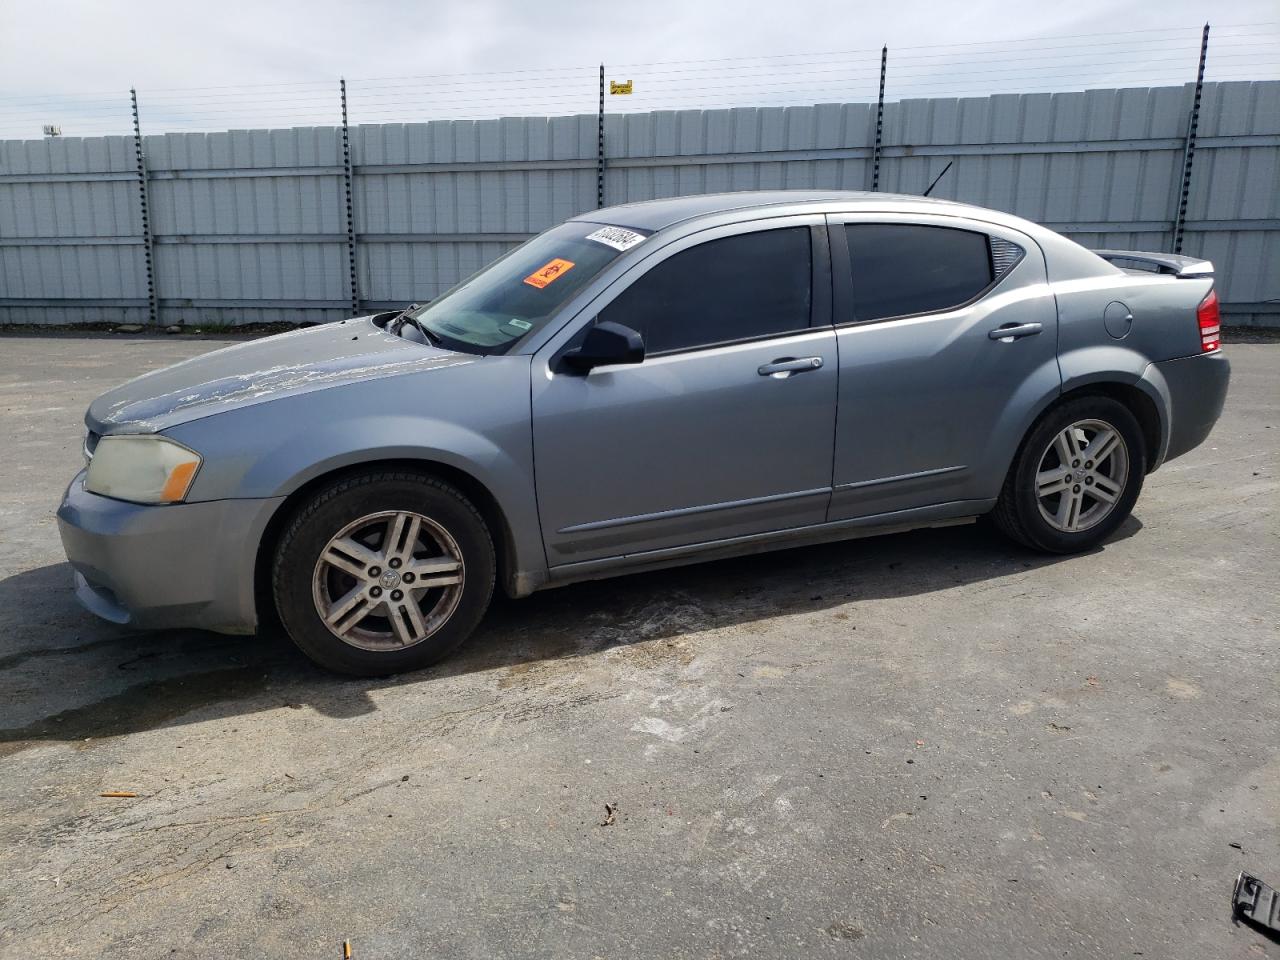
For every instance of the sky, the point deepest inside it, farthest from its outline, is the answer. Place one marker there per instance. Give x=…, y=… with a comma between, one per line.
x=244, y=64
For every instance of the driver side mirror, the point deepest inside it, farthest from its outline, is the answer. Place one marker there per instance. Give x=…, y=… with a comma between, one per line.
x=605, y=344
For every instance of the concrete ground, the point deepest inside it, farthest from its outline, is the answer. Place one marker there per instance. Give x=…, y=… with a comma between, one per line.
x=931, y=744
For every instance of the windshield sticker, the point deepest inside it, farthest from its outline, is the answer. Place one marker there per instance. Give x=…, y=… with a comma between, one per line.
x=617, y=237
x=549, y=272
x=519, y=324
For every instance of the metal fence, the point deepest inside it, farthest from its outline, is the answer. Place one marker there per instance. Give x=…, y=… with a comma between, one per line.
x=315, y=223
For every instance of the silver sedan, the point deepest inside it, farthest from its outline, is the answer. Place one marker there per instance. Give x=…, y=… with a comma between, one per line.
x=644, y=386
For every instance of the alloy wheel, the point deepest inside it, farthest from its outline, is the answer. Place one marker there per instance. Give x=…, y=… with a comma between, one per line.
x=388, y=580
x=1082, y=475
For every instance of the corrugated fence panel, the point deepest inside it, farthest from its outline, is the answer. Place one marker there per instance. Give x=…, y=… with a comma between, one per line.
x=677, y=153
x=251, y=225
x=1236, y=193
x=70, y=230
x=1059, y=159
x=245, y=216
x=436, y=201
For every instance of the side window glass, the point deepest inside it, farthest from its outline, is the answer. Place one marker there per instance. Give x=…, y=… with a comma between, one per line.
x=901, y=269
x=749, y=285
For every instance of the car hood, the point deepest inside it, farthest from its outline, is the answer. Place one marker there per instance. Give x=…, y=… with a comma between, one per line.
x=248, y=373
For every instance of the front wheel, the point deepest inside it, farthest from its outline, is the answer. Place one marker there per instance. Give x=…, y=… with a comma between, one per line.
x=383, y=572
x=1076, y=477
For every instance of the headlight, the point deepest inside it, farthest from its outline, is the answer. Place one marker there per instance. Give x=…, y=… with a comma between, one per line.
x=142, y=469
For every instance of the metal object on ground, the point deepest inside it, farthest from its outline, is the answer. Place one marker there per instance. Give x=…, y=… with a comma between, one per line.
x=1256, y=902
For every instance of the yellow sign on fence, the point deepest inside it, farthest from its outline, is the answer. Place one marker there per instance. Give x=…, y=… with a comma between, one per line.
x=617, y=87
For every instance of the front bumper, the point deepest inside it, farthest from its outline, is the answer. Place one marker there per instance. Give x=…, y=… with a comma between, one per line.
x=1197, y=389
x=174, y=565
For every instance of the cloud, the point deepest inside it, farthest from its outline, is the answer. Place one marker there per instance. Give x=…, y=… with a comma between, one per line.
x=73, y=61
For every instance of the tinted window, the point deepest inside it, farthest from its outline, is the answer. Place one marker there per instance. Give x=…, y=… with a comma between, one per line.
x=749, y=285
x=900, y=269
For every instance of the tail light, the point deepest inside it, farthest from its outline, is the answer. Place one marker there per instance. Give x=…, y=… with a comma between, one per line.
x=1210, y=319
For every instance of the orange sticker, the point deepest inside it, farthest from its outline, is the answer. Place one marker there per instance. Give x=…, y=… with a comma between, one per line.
x=548, y=272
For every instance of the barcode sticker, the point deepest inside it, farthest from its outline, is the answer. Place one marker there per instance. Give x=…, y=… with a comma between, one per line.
x=619, y=238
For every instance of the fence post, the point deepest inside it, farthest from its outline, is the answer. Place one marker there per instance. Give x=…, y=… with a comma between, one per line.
x=875, y=153
x=1189, y=147
x=351, y=220
x=148, y=252
x=600, y=145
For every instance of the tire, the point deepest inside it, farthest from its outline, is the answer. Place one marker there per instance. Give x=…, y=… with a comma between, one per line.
x=1043, y=516
x=336, y=558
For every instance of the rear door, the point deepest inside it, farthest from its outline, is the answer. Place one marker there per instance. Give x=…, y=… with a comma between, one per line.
x=708, y=438
x=947, y=338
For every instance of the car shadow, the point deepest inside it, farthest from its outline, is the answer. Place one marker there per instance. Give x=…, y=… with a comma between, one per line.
x=66, y=676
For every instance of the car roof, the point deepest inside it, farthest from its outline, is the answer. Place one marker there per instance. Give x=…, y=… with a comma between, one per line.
x=660, y=214
x=1065, y=259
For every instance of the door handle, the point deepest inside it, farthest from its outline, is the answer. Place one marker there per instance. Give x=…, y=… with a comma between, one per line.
x=784, y=367
x=1012, y=331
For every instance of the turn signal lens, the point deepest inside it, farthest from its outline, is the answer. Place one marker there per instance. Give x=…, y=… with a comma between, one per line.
x=179, y=482
x=142, y=469
x=1209, y=316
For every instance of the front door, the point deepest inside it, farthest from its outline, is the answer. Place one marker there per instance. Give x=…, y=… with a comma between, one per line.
x=724, y=430
x=947, y=336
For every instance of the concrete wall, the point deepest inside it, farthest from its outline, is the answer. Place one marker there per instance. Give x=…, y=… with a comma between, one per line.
x=250, y=225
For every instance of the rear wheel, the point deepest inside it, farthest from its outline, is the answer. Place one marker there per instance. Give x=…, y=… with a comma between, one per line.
x=383, y=572
x=1076, y=477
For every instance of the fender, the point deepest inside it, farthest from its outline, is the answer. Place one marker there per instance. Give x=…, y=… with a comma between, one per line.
x=1087, y=366
x=1113, y=363
x=255, y=452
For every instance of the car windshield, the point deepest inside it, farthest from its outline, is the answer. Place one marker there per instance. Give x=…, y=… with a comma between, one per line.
x=514, y=296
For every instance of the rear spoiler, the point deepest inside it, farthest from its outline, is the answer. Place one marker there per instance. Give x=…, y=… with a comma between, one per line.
x=1169, y=263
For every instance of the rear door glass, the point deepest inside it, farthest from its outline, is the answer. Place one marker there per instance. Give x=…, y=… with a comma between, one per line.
x=901, y=269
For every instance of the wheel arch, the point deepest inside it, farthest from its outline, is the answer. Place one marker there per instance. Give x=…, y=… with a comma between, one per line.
x=1140, y=396
x=1136, y=400
x=1125, y=374
x=513, y=580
